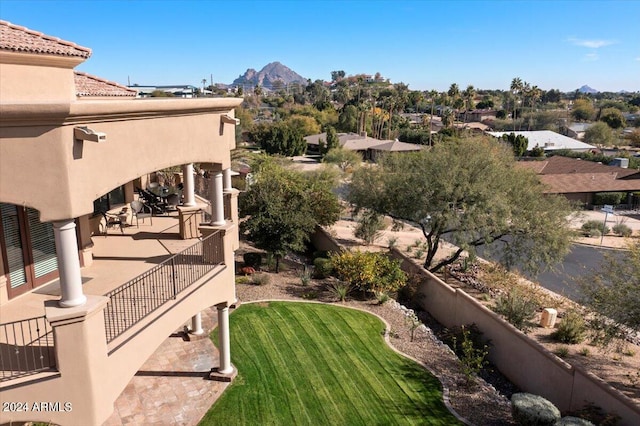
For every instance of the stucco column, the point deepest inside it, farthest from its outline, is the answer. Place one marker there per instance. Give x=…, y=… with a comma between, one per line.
x=64, y=232
x=226, y=173
x=196, y=324
x=217, y=199
x=223, y=339
x=189, y=187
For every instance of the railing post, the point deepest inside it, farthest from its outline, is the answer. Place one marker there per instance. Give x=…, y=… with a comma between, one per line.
x=173, y=277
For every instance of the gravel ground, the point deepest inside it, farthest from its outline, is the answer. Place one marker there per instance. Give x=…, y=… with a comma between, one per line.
x=478, y=403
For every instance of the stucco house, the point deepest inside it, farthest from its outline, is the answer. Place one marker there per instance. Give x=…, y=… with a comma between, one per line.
x=74, y=326
x=548, y=140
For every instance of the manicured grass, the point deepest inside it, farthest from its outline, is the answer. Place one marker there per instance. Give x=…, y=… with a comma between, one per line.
x=302, y=363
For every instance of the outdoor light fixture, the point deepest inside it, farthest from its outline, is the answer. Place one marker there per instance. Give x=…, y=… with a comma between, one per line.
x=230, y=120
x=84, y=133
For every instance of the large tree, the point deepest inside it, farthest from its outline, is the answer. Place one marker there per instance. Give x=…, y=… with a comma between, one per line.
x=613, y=117
x=284, y=206
x=472, y=193
x=582, y=110
x=612, y=290
x=599, y=134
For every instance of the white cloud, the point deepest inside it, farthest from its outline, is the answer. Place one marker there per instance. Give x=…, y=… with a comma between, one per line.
x=638, y=58
x=591, y=57
x=592, y=44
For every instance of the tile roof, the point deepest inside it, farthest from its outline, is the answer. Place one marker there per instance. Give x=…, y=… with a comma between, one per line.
x=89, y=85
x=397, y=146
x=20, y=39
x=587, y=182
x=565, y=165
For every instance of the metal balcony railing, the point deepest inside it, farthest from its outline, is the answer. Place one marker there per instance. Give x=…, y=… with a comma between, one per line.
x=26, y=347
x=133, y=301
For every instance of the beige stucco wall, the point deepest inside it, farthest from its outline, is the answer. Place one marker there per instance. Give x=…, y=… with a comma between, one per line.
x=523, y=361
x=48, y=78
x=44, y=167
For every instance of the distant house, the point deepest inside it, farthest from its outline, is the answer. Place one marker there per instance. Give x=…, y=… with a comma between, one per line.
x=548, y=140
x=576, y=130
x=369, y=148
x=579, y=180
x=178, y=91
x=374, y=152
x=478, y=115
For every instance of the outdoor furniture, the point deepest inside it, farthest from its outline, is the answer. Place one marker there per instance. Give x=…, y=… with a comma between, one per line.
x=172, y=201
x=152, y=200
x=142, y=211
x=110, y=220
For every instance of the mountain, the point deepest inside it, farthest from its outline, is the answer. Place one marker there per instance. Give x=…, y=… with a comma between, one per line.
x=587, y=89
x=268, y=75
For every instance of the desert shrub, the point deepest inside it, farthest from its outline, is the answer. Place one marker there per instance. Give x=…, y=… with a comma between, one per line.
x=472, y=354
x=622, y=230
x=593, y=233
x=530, y=410
x=612, y=198
x=382, y=297
x=562, y=351
x=322, y=268
x=407, y=293
x=369, y=227
x=571, y=329
x=340, y=290
x=305, y=276
x=320, y=253
x=392, y=242
x=369, y=271
x=590, y=225
x=253, y=260
x=517, y=307
x=243, y=280
x=260, y=279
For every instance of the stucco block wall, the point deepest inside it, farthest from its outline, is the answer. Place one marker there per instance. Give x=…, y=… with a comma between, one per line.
x=19, y=83
x=525, y=362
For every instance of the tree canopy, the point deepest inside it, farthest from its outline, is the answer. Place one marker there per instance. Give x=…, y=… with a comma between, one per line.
x=472, y=193
x=599, y=134
x=518, y=143
x=279, y=138
x=613, y=291
x=284, y=206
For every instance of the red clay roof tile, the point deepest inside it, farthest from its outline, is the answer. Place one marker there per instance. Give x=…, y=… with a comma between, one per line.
x=20, y=39
x=90, y=85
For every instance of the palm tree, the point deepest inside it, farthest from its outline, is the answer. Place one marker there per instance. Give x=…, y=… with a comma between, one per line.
x=469, y=94
x=433, y=94
x=516, y=89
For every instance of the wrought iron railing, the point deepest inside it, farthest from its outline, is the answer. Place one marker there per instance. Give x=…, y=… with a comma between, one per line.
x=133, y=301
x=26, y=347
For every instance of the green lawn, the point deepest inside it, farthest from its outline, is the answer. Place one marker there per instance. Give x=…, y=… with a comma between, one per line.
x=302, y=363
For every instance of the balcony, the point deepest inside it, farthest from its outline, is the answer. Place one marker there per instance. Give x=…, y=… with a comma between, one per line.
x=143, y=285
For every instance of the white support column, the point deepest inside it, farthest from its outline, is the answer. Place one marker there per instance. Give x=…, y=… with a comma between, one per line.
x=227, y=180
x=223, y=339
x=64, y=232
x=196, y=324
x=217, y=200
x=189, y=187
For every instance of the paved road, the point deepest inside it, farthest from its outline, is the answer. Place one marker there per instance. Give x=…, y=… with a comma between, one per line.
x=577, y=264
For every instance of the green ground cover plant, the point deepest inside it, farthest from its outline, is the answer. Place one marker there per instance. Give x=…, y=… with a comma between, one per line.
x=314, y=364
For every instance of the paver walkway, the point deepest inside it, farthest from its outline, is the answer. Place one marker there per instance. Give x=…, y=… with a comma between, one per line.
x=170, y=388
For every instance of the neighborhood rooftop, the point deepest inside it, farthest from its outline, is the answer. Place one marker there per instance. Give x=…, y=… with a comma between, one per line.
x=90, y=85
x=548, y=140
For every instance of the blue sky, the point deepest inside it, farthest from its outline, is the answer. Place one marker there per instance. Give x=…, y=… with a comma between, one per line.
x=425, y=44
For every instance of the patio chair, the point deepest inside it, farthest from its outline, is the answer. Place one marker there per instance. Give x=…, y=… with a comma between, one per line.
x=142, y=211
x=153, y=201
x=110, y=220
